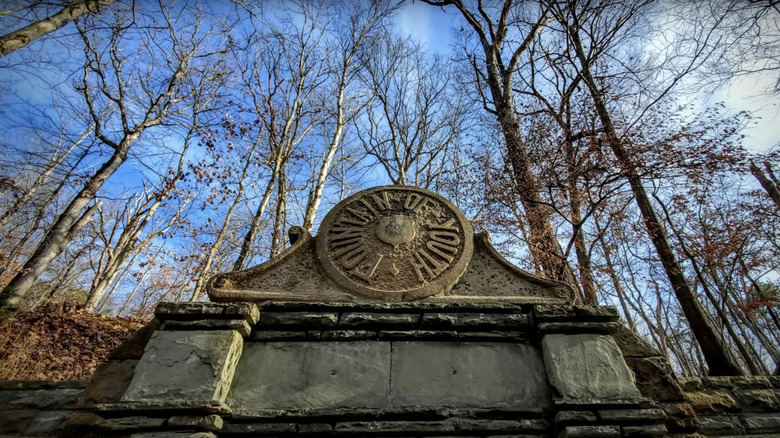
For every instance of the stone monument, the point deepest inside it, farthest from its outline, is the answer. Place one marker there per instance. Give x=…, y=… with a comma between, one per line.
x=395, y=320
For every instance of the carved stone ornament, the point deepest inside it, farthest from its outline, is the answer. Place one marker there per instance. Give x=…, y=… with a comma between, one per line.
x=395, y=242
x=389, y=244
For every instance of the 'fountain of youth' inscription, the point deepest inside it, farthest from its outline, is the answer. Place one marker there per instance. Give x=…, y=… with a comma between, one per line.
x=395, y=242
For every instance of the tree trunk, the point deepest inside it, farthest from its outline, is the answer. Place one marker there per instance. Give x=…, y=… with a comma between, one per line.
x=709, y=340
x=22, y=37
x=62, y=231
x=769, y=186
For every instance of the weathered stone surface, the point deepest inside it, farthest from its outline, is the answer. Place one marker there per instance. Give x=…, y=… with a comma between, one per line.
x=711, y=401
x=680, y=417
x=311, y=375
x=762, y=423
x=309, y=319
x=395, y=243
x=633, y=415
x=16, y=420
x=173, y=435
x=467, y=374
x=108, y=383
x=390, y=335
x=577, y=327
x=691, y=383
x=196, y=366
x=207, y=422
x=277, y=335
x=545, y=313
x=567, y=418
x=260, y=428
x=47, y=423
x=632, y=345
x=50, y=399
x=587, y=367
x=652, y=430
x=318, y=428
x=349, y=335
x=395, y=426
x=758, y=400
x=590, y=432
x=493, y=426
x=466, y=320
x=239, y=325
x=130, y=423
x=720, y=425
x=655, y=379
x=183, y=311
x=133, y=348
x=366, y=318
x=749, y=382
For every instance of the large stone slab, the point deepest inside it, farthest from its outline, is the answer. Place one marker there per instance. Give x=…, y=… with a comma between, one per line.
x=304, y=375
x=196, y=366
x=468, y=374
x=587, y=367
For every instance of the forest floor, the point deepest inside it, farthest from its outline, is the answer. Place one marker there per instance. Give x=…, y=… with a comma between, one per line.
x=59, y=341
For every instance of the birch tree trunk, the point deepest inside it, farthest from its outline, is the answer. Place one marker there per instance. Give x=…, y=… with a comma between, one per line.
x=20, y=38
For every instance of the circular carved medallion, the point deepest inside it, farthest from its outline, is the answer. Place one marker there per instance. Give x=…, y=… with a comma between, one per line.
x=395, y=242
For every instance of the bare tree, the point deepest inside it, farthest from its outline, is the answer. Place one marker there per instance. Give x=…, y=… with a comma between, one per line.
x=139, y=97
x=71, y=11
x=503, y=39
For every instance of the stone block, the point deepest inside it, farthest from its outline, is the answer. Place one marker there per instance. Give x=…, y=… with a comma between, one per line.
x=259, y=428
x=680, y=417
x=371, y=318
x=47, y=423
x=108, y=383
x=304, y=375
x=720, y=424
x=711, y=401
x=633, y=345
x=16, y=421
x=130, y=423
x=655, y=379
x=568, y=418
x=173, y=435
x=762, y=423
x=185, y=311
x=47, y=399
x=277, y=335
x=390, y=335
x=556, y=312
x=309, y=319
x=475, y=320
x=468, y=374
x=196, y=366
x=394, y=427
x=239, y=325
x=590, y=432
x=316, y=428
x=492, y=426
x=349, y=335
x=587, y=367
x=758, y=400
x=207, y=422
x=691, y=383
x=636, y=416
x=578, y=327
x=751, y=382
x=648, y=431
x=133, y=348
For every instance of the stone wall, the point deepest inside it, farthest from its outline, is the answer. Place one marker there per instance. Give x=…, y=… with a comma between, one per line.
x=396, y=369
x=746, y=406
x=37, y=409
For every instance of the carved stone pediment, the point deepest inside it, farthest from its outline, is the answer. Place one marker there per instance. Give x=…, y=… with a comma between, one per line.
x=390, y=243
